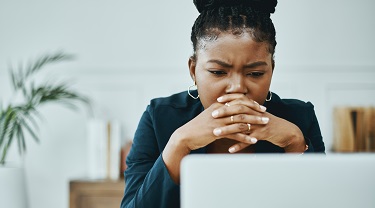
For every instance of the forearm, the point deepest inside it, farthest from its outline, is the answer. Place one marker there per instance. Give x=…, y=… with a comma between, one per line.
x=297, y=142
x=173, y=153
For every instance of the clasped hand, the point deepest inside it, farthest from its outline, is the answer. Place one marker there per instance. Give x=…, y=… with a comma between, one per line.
x=236, y=117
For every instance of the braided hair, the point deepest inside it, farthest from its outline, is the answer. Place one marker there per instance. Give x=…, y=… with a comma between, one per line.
x=235, y=17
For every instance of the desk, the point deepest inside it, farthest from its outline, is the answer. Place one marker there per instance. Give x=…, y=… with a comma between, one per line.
x=96, y=193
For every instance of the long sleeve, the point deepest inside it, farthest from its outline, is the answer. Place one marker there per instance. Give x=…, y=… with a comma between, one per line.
x=314, y=136
x=148, y=183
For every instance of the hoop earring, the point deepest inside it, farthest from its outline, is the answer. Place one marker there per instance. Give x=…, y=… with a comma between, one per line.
x=192, y=96
x=269, y=99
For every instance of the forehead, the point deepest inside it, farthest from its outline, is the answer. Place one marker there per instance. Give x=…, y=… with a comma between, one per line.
x=228, y=45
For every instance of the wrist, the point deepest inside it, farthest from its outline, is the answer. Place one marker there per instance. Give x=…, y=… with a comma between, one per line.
x=179, y=142
x=297, y=143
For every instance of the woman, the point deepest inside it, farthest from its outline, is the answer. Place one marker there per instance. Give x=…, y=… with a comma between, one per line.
x=232, y=110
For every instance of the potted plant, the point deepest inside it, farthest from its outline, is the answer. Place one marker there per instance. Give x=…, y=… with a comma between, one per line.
x=22, y=117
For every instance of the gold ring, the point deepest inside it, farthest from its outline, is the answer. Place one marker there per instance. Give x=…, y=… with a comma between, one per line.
x=231, y=119
x=227, y=104
x=248, y=126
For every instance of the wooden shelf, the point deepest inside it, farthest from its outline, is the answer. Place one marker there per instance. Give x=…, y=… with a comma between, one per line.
x=96, y=193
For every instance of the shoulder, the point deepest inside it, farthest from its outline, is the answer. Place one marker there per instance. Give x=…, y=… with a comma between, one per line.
x=177, y=107
x=179, y=101
x=277, y=103
x=166, y=114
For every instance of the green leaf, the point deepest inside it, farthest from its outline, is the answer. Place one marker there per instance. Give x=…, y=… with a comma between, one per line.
x=21, y=138
x=13, y=79
x=58, y=56
x=5, y=124
x=29, y=116
x=2, y=128
x=9, y=132
x=30, y=130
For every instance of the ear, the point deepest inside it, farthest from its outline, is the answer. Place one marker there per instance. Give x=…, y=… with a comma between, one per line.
x=192, y=63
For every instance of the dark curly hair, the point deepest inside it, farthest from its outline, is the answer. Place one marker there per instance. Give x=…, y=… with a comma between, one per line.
x=236, y=17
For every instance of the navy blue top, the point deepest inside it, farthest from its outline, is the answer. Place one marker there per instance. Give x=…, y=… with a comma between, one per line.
x=148, y=183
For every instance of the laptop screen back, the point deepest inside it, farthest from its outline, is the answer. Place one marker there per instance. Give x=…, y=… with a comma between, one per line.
x=282, y=180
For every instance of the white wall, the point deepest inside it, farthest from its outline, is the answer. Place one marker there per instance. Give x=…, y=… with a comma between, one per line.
x=131, y=51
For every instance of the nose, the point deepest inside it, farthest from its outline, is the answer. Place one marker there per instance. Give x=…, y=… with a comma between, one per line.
x=236, y=84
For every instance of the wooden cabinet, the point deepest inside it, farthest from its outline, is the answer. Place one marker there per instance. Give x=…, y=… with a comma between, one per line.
x=96, y=193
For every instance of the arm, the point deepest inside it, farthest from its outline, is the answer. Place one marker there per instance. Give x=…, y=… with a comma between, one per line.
x=148, y=183
x=309, y=135
x=313, y=135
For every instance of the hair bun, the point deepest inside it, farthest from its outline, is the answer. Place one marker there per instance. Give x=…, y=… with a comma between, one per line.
x=267, y=6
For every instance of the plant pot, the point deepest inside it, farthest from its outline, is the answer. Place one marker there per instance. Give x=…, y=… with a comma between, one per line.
x=12, y=187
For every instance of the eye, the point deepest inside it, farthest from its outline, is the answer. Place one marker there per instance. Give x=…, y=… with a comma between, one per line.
x=217, y=72
x=255, y=74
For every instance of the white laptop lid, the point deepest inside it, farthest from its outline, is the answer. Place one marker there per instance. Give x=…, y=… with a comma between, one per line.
x=282, y=180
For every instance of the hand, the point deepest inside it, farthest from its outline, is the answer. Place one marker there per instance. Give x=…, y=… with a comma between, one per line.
x=277, y=130
x=282, y=133
x=206, y=128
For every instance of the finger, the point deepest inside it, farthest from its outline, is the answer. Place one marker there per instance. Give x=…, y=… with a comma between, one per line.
x=238, y=147
x=246, y=119
x=235, y=99
x=232, y=129
x=226, y=110
x=230, y=97
x=242, y=138
x=249, y=103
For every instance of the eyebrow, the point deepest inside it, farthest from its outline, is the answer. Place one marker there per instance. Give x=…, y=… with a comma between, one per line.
x=221, y=63
x=251, y=65
x=255, y=64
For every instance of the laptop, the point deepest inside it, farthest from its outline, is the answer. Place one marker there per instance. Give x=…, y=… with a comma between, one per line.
x=278, y=180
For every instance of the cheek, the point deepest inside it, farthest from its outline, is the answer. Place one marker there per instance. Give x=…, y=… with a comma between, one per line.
x=209, y=90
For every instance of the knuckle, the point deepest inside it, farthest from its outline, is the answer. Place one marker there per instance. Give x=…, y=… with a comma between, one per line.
x=224, y=110
x=241, y=117
x=242, y=127
x=240, y=108
x=241, y=137
x=244, y=138
x=241, y=102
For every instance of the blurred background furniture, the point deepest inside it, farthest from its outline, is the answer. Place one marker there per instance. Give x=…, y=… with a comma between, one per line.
x=96, y=193
x=354, y=129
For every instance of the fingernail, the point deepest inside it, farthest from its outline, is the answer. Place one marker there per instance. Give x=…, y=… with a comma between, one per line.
x=265, y=119
x=215, y=113
x=217, y=132
x=263, y=108
x=220, y=99
x=232, y=149
x=252, y=140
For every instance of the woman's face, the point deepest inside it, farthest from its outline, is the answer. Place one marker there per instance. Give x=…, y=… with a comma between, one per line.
x=232, y=64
